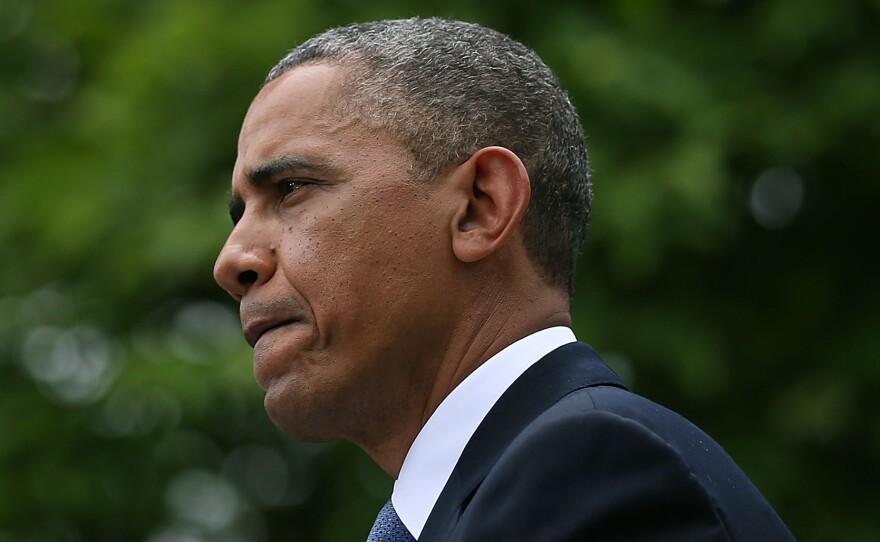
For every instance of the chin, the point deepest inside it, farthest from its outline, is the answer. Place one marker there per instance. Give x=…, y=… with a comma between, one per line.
x=298, y=418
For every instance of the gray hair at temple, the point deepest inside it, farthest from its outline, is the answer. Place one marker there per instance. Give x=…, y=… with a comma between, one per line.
x=448, y=88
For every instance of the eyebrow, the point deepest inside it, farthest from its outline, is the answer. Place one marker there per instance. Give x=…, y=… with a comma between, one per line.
x=265, y=172
x=283, y=164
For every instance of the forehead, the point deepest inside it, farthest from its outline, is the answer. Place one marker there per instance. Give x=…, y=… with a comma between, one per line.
x=302, y=100
x=305, y=114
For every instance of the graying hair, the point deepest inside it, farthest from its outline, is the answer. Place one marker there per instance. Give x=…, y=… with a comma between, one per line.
x=448, y=88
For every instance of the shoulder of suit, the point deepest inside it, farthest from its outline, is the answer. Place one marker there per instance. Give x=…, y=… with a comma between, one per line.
x=608, y=437
x=579, y=471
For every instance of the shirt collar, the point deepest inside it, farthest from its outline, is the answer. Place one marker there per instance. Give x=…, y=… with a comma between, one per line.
x=438, y=446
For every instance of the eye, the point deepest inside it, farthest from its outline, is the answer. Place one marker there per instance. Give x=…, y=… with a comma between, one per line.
x=290, y=186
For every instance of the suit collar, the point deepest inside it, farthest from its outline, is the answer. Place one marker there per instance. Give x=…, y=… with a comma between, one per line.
x=562, y=371
x=436, y=450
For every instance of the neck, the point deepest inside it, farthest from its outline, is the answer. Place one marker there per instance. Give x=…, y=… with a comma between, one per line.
x=495, y=318
x=488, y=329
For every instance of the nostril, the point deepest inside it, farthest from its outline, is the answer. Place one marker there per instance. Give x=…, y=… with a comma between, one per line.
x=247, y=277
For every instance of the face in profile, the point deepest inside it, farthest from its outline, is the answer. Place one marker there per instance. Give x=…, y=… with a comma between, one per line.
x=337, y=260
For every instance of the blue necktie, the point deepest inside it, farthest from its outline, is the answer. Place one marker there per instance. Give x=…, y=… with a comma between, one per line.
x=388, y=527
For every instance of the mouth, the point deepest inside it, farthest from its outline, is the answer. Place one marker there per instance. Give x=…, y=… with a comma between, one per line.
x=254, y=331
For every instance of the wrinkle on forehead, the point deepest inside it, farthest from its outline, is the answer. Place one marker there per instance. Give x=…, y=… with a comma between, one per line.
x=308, y=112
x=285, y=97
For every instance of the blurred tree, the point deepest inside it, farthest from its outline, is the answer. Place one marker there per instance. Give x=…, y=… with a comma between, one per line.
x=728, y=271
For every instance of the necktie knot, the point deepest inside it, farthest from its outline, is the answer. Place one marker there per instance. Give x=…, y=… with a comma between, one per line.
x=388, y=527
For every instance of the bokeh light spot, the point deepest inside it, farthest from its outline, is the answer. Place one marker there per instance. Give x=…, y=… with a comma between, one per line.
x=777, y=197
x=204, y=499
x=75, y=365
x=262, y=471
x=51, y=69
x=14, y=17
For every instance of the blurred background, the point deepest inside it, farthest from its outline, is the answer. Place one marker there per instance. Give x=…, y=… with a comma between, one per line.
x=728, y=274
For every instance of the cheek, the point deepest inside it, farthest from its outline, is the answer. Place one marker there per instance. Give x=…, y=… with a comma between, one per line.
x=356, y=265
x=333, y=262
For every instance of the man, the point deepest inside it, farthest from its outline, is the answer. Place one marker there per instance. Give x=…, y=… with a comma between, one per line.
x=409, y=200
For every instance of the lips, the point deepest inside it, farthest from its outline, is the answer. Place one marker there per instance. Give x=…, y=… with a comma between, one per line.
x=255, y=329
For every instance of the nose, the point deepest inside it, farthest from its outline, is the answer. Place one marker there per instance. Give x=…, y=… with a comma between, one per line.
x=240, y=267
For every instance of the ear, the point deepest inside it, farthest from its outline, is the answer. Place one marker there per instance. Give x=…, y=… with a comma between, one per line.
x=495, y=191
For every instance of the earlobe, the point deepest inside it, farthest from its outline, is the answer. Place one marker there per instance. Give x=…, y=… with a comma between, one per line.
x=496, y=191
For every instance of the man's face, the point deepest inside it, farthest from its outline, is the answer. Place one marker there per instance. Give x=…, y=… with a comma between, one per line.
x=336, y=258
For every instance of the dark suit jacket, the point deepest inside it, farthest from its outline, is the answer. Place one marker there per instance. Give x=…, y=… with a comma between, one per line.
x=567, y=453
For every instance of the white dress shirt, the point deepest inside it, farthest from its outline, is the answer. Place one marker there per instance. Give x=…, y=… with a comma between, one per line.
x=436, y=449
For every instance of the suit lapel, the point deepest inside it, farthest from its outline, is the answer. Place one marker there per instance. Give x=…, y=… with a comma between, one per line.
x=566, y=369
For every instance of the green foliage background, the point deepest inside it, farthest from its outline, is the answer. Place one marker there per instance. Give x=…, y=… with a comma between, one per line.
x=729, y=272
